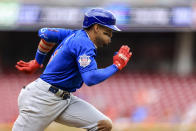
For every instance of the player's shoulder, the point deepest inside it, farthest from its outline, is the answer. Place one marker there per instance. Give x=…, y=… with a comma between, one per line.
x=81, y=34
x=77, y=36
x=80, y=42
x=81, y=38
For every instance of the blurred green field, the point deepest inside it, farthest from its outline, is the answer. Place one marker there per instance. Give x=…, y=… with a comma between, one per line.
x=118, y=127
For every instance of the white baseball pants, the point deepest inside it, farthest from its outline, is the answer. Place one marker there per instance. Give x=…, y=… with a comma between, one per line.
x=38, y=108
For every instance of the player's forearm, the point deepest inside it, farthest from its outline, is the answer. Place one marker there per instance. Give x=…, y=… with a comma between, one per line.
x=43, y=48
x=96, y=76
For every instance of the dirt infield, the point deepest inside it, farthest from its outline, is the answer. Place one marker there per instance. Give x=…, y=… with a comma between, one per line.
x=52, y=127
x=118, y=127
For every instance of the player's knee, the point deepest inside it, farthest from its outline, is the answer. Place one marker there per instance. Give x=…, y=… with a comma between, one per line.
x=105, y=124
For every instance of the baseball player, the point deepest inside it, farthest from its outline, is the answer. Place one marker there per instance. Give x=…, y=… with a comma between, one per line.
x=49, y=98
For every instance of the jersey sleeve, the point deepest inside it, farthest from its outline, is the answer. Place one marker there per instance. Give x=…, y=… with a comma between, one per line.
x=85, y=54
x=86, y=61
x=54, y=35
x=96, y=76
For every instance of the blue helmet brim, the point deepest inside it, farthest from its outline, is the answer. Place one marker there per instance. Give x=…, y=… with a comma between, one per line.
x=113, y=27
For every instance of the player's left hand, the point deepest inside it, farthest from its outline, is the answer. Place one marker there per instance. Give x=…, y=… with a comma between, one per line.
x=122, y=57
x=28, y=67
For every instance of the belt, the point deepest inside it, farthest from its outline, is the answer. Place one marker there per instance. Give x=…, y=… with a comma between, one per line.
x=58, y=92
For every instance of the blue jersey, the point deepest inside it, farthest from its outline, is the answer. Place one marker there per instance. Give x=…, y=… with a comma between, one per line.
x=74, y=55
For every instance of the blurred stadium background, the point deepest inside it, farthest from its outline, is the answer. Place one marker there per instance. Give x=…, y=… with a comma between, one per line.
x=155, y=92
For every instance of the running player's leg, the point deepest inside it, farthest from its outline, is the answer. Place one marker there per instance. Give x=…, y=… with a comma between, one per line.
x=37, y=107
x=81, y=114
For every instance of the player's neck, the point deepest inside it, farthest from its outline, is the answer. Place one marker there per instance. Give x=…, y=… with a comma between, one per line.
x=91, y=37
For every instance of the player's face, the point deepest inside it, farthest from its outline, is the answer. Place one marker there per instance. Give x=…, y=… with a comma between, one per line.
x=104, y=36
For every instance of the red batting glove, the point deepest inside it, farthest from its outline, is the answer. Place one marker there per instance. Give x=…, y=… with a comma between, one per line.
x=28, y=67
x=122, y=57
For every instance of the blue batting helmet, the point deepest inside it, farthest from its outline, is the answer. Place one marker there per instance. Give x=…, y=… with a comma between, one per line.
x=100, y=16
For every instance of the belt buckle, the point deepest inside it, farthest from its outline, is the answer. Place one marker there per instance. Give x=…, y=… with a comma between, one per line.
x=65, y=95
x=59, y=92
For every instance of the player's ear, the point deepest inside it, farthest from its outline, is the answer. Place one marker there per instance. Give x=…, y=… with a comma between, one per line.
x=96, y=28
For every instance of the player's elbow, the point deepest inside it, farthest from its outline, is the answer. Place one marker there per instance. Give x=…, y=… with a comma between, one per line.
x=89, y=78
x=89, y=83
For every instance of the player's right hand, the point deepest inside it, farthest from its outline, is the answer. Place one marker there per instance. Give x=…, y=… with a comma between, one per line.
x=122, y=57
x=28, y=67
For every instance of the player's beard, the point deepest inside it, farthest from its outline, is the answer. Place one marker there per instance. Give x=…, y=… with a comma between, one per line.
x=100, y=42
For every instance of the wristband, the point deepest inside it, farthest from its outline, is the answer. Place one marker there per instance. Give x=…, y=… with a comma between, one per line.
x=40, y=56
